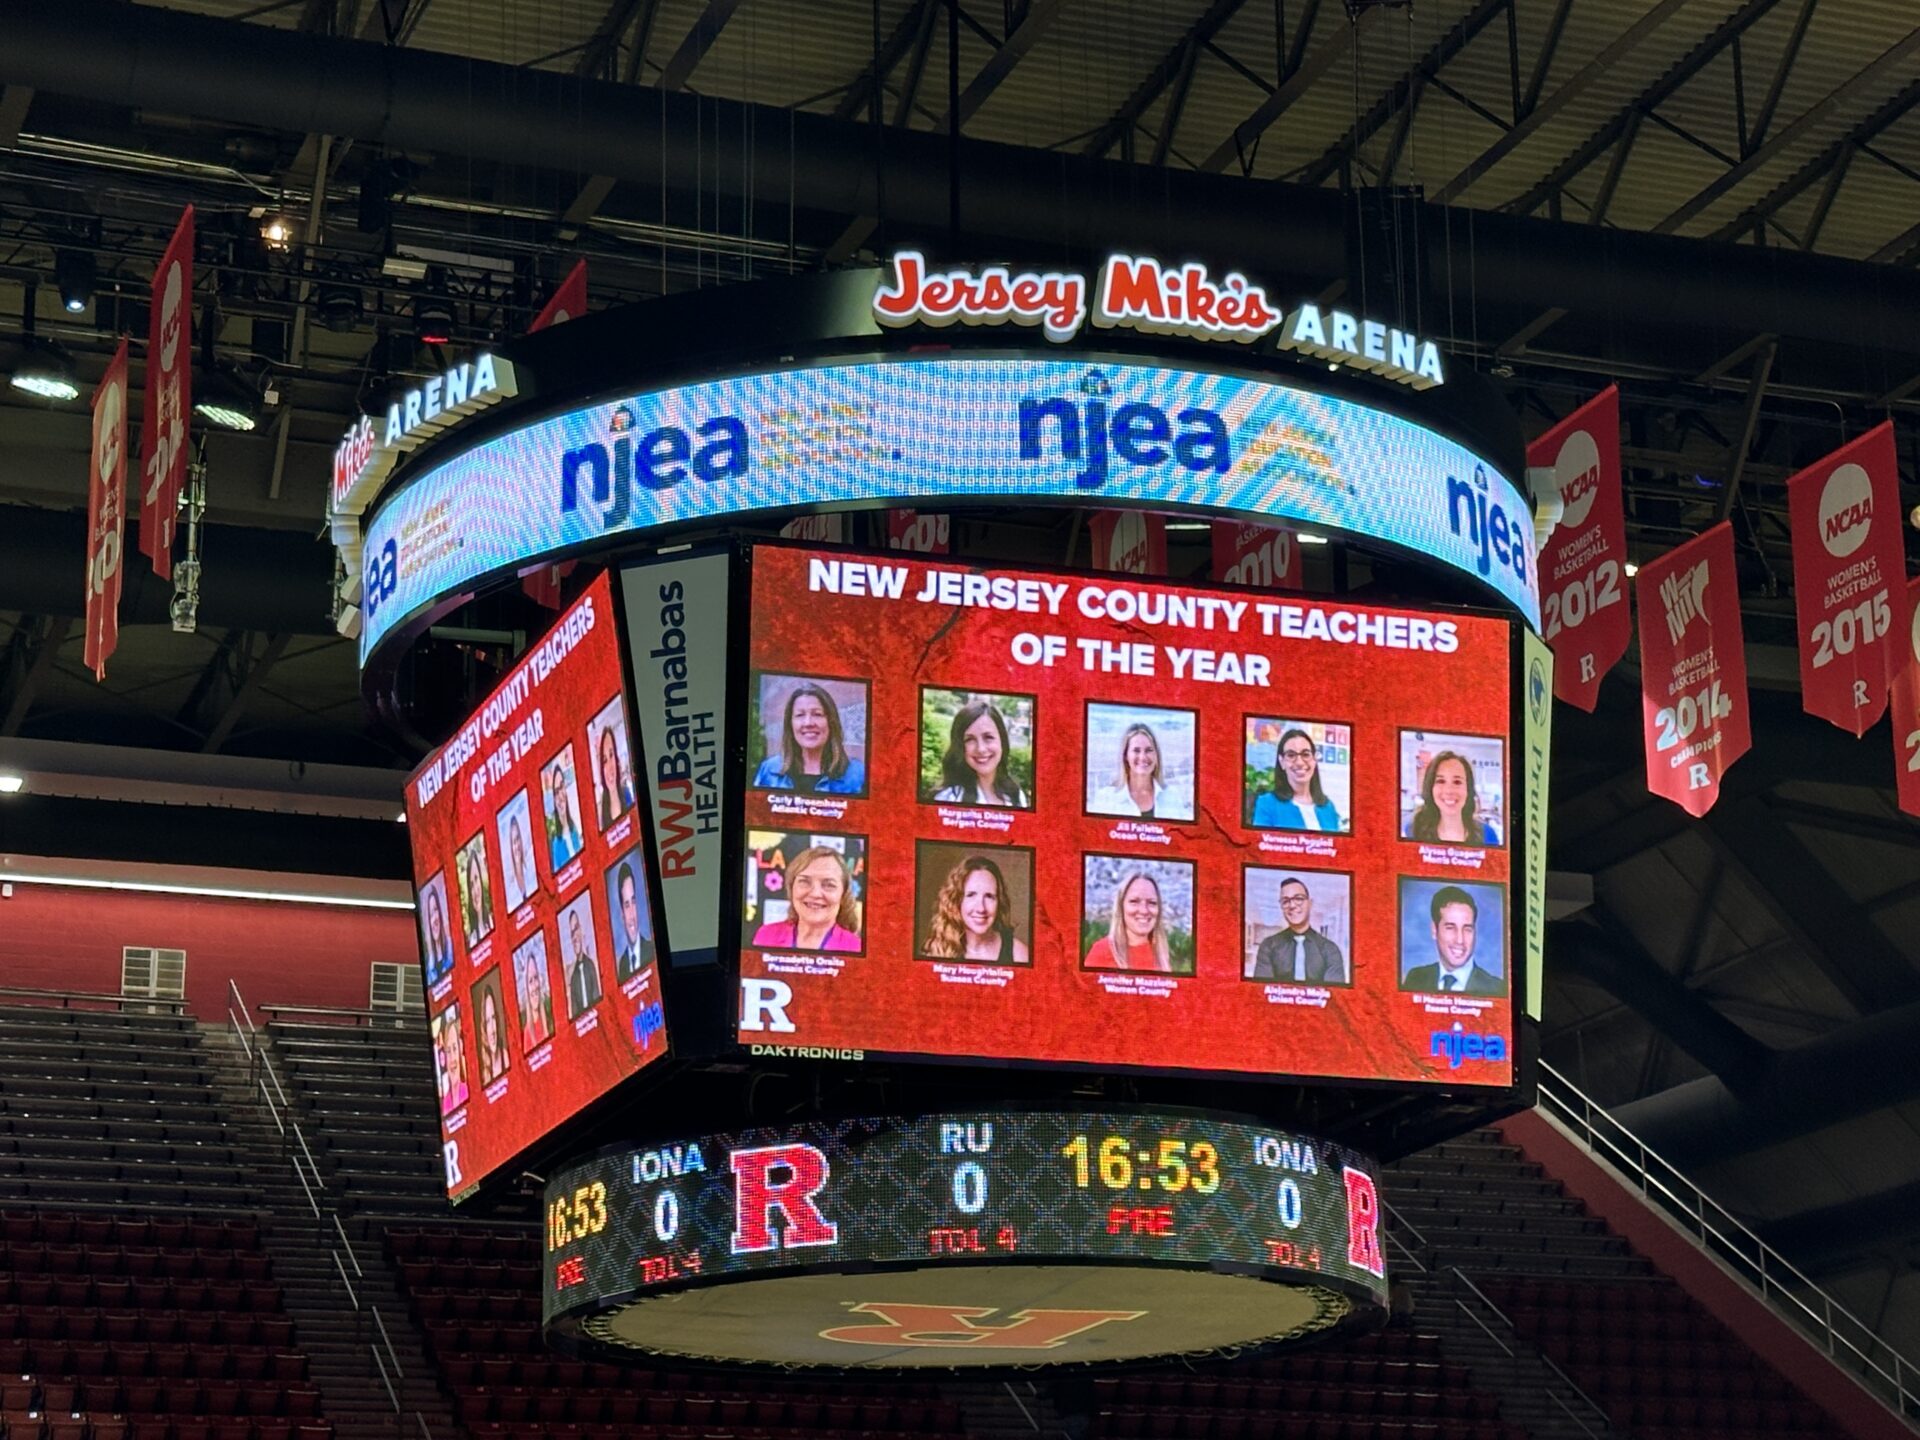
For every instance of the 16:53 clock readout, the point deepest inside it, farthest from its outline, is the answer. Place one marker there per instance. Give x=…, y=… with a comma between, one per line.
x=1117, y=1163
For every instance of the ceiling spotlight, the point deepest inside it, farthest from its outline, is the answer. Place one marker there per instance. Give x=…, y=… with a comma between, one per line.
x=339, y=306
x=1307, y=537
x=277, y=231
x=1631, y=569
x=219, y=398
x=433, y=319
x=46, y=370
x=12, y=784
x=73, y=273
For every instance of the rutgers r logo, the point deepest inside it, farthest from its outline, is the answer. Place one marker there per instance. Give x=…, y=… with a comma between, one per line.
x=952, y=1327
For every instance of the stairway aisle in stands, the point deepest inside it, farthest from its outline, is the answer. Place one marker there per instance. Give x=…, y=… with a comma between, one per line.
x=1476, y=1205
x=337, y=1337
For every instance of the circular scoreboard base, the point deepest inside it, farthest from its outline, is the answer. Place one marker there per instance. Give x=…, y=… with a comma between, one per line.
x=977, y=1317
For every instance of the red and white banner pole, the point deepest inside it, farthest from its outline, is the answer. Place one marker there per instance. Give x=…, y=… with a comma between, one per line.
x=106, y=514
x=1849, y=565
x=1583, y=583
x=1693, y=670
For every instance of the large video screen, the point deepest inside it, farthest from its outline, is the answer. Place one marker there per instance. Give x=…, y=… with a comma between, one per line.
x=534, y=902
x=1102, y=820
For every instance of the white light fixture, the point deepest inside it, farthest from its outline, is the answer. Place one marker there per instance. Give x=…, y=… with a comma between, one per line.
x=45, y=370
x=1631, y=569
x=1306, y=537
x=11, y=784
x=1189, y=525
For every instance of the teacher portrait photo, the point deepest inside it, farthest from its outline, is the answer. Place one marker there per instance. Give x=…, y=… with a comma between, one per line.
x=436, y=939
x=976, y=749
x=803, y=892
x=809, y=734
x=1137, y=915
x=1299, y=775
x=1451, y=787
x=1452, y=937
x=973, y=904
x=1140, y=761
x=1299, y=924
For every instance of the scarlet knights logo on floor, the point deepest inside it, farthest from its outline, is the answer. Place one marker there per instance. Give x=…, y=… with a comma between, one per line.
x=947, y=1327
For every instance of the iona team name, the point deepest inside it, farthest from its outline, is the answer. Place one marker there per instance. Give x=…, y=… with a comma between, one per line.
x=1086, y=433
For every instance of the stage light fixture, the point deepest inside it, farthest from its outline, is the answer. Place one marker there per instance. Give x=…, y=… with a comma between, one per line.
x=221, y=399
x=433, y=319
x=73, y=274
x=46, y=370
x=277, y=231
x=339, y=306
x=12, y=784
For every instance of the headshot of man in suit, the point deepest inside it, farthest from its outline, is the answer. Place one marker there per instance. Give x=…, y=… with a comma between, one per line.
x=633, y=946
x=1298, y=954
x=583, y=967
x=1454, y=918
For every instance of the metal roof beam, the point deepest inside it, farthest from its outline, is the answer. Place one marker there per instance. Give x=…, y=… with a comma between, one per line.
x=1040, y=15
x=1404, y=91
x=1892, y=62
x=39, y=662
x=258, y=667
x=1822, y=165
x=892, y=51
x=1543, y=61
x=1241, y=144
x=1177, y=62
x=1764, y=120
x=597, y=55
x=1593, y=71
x=1627, y=119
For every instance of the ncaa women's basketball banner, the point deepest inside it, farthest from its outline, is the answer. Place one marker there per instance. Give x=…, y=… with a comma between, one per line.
x=1263, y=556
x=1693, y=670
x=1848, y=565
x=1131, y=541
x=1583, y=584
x=106, y=514
x=1906, y=702
x=1103, y=820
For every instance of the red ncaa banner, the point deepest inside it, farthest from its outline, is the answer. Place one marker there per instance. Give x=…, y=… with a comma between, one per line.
x=569, y=302
x=1693, y=670
x=921, y=533
x=1263, y=556
x=1131, y=541
x=1583, y=587
x=1848, y=566
x=163, y=427
x=1906, y=701
x=106, y=513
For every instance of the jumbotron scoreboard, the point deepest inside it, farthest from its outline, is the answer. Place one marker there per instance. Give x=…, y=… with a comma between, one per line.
x=982, y=1239
x=900, y=902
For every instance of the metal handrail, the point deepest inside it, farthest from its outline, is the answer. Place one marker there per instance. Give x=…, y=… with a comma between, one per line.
x=97, y=997
x=260, y=1054
x=1726, y=1236
x=1559, y=1374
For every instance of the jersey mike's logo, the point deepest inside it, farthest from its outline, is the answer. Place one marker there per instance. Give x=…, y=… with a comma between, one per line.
x=1846, y=510
x=1498, y=538
x=659, y=459
x=1092, y=432
x=1459, y=1045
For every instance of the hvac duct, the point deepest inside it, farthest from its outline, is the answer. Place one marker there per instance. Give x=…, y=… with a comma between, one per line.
x=170, y=60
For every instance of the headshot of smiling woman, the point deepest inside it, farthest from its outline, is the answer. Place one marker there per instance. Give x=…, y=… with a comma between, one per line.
x=823, y=913
x=811, y=748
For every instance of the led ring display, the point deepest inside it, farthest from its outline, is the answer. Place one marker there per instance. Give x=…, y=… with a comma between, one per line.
x=975, y=1240
x=954, y=430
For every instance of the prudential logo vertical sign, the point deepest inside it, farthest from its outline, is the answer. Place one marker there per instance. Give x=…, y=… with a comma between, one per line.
x=677, y=635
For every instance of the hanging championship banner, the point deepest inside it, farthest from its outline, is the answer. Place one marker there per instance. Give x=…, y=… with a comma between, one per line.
x=1129, y=540
x=169, y=404
x=1906, y=700
x=569, y=302
x=106, y=513
x=1261, y=555
x=1848, y=567
x=923, y=533
x=1693, y=670
x=1583, y=586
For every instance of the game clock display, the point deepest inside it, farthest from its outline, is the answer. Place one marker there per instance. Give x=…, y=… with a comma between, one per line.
x=1113, y=1196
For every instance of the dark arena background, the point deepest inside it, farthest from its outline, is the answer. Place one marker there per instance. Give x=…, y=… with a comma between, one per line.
x=756, y=720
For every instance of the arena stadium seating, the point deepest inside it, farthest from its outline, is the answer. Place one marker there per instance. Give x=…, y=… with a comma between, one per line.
x=136, y=1301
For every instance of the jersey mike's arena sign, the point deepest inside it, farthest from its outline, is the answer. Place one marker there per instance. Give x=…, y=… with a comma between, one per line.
x=1139, y=293
x=975, y=429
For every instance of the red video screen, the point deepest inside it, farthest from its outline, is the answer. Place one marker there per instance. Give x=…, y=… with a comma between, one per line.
x=534, y=903
x=1104, y=820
